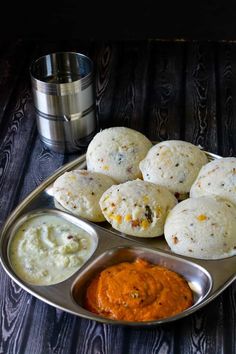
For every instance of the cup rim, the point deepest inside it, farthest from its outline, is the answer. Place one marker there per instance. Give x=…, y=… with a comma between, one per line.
x=36, y=61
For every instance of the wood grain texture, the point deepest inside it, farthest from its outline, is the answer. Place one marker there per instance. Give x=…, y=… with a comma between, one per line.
x=165, y=97
x=229, y=319
x=131, y=86
x=42, y=163
x=226, y=73
x=168, y=90
x=105, y=82
x=200, y=112
x=159, y=340
x=121, y=85
x=13, y=314
x=15, y=142
x=198, y=334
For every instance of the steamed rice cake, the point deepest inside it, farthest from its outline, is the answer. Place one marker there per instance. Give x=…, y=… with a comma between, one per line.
x=202, y=227
x=79, y=192
x=217, y=177
x=137, y=207
x=117, y=152
x=173, y=164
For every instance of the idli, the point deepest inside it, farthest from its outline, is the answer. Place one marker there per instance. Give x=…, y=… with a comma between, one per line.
x=173, y=164
x=217, y=177
x=137, y=207
x=79, y=192
x=202, y=227
x=117, y=152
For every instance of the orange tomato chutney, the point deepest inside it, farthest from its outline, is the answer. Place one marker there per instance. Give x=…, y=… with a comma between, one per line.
x=138, y=291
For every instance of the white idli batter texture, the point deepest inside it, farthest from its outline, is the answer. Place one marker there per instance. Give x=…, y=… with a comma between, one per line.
x=79, y=192
x=137, y=207
x=117, y=152
x=202, y=227
x=217, y=177
x=173, y=164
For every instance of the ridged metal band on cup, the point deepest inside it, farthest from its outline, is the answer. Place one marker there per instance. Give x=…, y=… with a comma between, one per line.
x=61, y=142
x=64, y=145
x=87, y=81
x=70, y=117
x=62, y=89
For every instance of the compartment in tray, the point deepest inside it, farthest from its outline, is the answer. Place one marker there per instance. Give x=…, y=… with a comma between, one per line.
x=47, y=246
x=198, y=278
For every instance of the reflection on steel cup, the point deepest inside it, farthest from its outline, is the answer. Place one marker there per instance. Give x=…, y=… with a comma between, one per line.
x=64, y=100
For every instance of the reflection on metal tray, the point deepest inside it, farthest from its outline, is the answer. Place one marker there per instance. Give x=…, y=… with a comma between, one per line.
x=207, y=278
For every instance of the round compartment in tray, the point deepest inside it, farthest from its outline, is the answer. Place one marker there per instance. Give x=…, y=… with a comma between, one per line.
x=47, y=246
x=198, y=278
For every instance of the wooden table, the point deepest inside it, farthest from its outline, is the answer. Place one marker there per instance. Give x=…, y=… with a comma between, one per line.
x=167, y=90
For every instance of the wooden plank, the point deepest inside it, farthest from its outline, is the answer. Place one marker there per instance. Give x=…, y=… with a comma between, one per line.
x=226, y=104
x=200, y=109
x=202, y=331
x=128, y=89
x=106, y=59
x=42, y=163
x=153, y=340
x=229, y=316
x=92, y=337
x=15, y=140
x=164, y=103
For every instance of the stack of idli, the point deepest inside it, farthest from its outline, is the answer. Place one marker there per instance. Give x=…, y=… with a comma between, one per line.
x=112, y=156
x=168, y=189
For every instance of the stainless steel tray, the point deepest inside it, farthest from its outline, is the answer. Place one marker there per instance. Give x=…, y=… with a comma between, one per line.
x=207, y=278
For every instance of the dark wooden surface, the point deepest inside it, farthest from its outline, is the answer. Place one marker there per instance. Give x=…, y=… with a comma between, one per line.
x=143, y=19
x=165, y=89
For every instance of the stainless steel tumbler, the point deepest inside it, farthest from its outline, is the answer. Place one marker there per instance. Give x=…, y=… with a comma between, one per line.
x=64, y=100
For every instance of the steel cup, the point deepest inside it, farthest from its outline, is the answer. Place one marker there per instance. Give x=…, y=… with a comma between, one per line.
x=64, y=100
